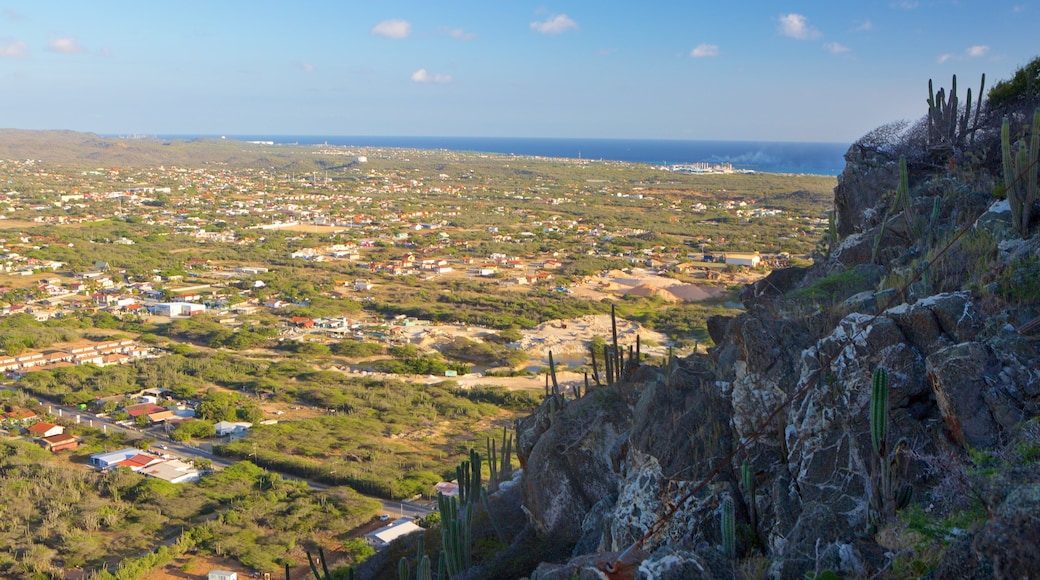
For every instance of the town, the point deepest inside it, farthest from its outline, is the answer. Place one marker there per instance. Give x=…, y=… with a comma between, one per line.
x=357, y=318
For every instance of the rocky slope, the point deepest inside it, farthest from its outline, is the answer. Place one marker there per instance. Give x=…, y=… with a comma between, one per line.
x=630, y=479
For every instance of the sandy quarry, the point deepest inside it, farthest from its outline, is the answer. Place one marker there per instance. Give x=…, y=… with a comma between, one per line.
x=566, y=339
x=645, y=283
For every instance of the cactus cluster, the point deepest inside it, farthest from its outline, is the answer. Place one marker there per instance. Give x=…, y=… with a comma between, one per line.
x=615, y=365
x=1020, y=174
x=948, y=127
x=500, y=462
x=457, y=519
x=422, y=564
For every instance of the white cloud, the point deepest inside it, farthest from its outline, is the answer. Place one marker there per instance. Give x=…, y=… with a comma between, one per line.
x=395, y=28
x=836, y=48
x=865, y=26
x=65, y=45
x=554, y=25
x=796, y=26
x=15, y=49
x=421, y=76
x=977, y=50
x=704, y=50
x=460, y=34
x=306, y=67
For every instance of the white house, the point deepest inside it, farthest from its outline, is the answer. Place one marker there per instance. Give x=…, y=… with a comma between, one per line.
x=399, y=528
x=736, y=259
x=222, y=575
x=231, y=428
x=177, y=309
x=173, y=471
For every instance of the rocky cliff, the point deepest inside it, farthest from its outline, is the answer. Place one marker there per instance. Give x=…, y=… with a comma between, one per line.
x=774, y=425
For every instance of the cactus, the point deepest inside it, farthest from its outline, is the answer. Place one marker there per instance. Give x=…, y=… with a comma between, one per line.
x=948, y=128
x=887, y=501
x=500, y=463
x=747, y=477
x=324, y=566
x=552, y=374
x=456, y=534
x=1020, y=174
x=728, y=527
x=900, y=202
x=879, y=412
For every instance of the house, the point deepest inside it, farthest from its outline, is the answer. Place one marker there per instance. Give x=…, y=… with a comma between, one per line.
x=61, y=442
x=112, y=459
x=173, y=471
x=222, y=575
x=231, y=428
x=739, y=259
x=44, y=429
x=19, y=416
x=383, y=536
x=177, y=309
x=161, y=416
x=302, y=321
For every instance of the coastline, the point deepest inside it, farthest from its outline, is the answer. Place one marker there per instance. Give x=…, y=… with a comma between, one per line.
x=794, y=158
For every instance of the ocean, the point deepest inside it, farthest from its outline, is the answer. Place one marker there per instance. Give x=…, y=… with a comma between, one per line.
x=770, y=157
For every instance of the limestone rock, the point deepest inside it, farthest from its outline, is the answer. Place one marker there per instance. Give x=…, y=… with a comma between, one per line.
x=868, y=175
x=575, y=463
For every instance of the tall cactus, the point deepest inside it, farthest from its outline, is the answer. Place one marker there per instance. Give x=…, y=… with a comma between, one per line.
x=747, y=478
x=879, y=412
x=728, y=527
x=887, y=499
x=1020, y=174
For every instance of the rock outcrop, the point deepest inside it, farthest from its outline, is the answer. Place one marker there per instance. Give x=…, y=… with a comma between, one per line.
x=632, y=478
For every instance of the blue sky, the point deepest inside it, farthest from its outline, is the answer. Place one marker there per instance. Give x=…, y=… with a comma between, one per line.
x=753, y=70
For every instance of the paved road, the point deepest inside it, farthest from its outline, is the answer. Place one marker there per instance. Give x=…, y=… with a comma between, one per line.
x=180, y=450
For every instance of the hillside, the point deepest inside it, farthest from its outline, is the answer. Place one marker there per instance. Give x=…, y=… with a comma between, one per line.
x=88, y=150
x=876, y=414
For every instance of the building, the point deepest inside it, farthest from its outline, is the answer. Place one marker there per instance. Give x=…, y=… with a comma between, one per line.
x=383, y=536
x=173, y=471
x=222, y=575
x=737, y=259
x=130, y=457
x=232, y=428
x=56, y=443
x=44, y=429
x=177, y=309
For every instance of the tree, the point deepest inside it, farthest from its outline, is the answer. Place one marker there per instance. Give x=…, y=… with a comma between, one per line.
x=358, y=550
x=1022, y=88
x=197, y=429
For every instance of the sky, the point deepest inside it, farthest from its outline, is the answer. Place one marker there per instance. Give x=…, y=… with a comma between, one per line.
x=763, y=70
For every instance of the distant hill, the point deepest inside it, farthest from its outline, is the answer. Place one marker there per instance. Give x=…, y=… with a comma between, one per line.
x=90, y=150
